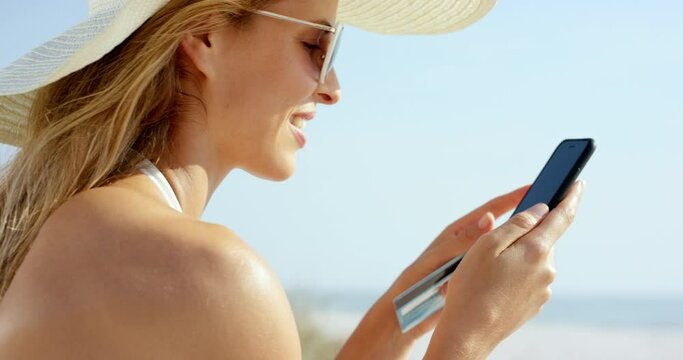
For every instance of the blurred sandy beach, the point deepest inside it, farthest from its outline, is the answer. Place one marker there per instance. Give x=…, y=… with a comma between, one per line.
x=550, y=341
x=579, y=328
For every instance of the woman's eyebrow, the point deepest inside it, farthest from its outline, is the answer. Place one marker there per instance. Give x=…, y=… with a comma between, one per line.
x=312, y=30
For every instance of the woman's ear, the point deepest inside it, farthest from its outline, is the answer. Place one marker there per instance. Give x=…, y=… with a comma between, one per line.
x=197, y=50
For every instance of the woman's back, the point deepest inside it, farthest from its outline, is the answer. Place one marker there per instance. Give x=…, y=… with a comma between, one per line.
x=115, y=272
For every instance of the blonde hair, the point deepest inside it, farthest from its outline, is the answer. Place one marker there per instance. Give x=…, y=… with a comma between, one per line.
x=95, y=125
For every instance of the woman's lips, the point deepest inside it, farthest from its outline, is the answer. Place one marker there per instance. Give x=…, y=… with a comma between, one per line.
x=305, y=116
x=297, y=129
x=298, y=134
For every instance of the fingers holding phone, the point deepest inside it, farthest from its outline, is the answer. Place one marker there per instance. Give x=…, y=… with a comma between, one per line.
x=544, y=236
x=504, y=280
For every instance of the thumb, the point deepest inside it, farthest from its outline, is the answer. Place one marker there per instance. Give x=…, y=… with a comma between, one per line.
x=518, y=226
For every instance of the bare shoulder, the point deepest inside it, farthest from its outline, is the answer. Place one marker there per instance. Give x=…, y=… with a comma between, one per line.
x=136, y=281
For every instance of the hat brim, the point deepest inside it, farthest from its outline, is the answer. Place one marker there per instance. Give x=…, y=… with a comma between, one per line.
x=412, y=16
x=109, y=26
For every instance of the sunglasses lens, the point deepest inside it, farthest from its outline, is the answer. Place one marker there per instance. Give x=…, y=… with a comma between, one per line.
x=335, y=47
x=331, y=53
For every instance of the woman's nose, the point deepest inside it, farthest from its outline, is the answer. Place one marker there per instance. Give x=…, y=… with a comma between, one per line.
x=329, y=92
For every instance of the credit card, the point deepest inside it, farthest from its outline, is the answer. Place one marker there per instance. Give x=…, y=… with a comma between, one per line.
x=424, y=298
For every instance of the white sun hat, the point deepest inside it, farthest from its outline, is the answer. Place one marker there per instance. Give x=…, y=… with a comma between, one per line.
x=110, y=22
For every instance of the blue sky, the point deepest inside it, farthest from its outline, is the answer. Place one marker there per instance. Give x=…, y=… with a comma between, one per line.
x=431, y=127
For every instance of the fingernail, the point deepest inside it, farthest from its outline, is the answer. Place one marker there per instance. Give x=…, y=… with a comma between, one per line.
x=539, y=210
x=483, y=221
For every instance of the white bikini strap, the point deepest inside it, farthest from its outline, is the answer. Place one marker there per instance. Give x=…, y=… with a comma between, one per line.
x=149, y=169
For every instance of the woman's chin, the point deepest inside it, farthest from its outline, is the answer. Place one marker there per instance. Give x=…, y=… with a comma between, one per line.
x=281, y=176
x=279, y=171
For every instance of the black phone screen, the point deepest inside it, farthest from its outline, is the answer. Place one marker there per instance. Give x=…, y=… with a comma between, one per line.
x=558, y=174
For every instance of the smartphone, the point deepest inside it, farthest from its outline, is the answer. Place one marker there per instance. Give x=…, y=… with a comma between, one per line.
x=559, y=173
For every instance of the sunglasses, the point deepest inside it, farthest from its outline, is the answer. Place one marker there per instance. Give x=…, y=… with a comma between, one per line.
x=327, y=43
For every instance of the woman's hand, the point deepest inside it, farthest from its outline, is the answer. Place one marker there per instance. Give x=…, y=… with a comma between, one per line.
x=454, y=240
x=502, y=282
x=378, y=336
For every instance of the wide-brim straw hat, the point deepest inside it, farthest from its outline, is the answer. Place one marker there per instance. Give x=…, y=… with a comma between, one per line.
x=110, y=22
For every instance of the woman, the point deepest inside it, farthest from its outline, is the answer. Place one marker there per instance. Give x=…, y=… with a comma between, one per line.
x=125, y=138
